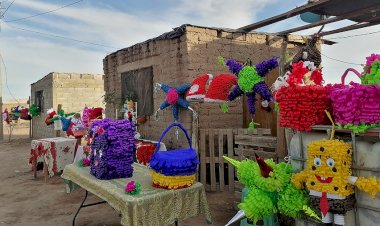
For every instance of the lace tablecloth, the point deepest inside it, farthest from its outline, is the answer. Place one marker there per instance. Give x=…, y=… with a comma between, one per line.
x=153, y=206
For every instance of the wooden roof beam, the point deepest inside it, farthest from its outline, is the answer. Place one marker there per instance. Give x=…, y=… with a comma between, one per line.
x=333, y=19
x=283, y=16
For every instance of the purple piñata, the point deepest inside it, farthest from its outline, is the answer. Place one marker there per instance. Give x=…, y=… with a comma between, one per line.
x=112, y=148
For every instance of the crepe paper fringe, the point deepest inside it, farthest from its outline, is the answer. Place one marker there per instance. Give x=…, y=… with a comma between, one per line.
x=112, y=148
x=369, y=185
x=369, y=61
x=172, y=182
x=303, y=106
x=356, y=104
x=175, y=163
x=234, y=66
x=373, y=77
x=291, y=201
x=248, y=77
x=311, y=213
x=144, y=153
x=265, y=67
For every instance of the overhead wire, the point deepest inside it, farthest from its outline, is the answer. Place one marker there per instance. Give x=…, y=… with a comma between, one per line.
x=342, y=61
x=43, y=13
x=349, y=36
x=6, y=78
x=9, y=6
x=62, y=37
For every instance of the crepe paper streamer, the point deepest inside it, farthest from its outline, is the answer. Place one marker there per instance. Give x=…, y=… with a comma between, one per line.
x=34, y=110
x=311, y=213
x=132, y=188
x=268, y=195
x=221, y=61
x=224, y=107
x=175, y=98
x=332, y=123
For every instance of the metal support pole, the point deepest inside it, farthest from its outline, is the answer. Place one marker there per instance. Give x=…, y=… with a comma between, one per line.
x=82, y=206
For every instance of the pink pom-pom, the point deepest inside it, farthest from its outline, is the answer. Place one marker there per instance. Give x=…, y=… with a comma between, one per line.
x=85, y=162
x=130, y=186
x=172, y=96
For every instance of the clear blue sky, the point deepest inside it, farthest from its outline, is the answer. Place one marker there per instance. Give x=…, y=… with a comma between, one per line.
x=117, y=24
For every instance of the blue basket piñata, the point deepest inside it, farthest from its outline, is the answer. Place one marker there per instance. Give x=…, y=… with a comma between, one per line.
x=176, y=168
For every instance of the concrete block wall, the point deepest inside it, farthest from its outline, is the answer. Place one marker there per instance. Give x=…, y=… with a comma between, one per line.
x=179, y=61
x=39, y=128
x=72, y=90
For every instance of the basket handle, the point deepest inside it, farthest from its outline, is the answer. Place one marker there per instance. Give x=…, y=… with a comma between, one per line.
x=346, y=72
x=167, y=130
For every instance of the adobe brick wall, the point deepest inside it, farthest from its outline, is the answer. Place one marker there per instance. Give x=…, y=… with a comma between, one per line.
x=72, y=90
x=179, y=61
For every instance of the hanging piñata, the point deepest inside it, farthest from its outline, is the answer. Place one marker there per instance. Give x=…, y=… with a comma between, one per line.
x=251, y=81
x=175, y=97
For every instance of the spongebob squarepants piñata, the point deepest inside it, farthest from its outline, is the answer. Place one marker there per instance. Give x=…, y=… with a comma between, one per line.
x=329, y=181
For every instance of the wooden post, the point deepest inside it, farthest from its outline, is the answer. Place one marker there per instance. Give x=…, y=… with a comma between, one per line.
x=281, y=142
x=58, y=132
x=30, y=122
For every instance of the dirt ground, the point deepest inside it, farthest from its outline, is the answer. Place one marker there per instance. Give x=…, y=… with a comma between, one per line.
x=28, y=201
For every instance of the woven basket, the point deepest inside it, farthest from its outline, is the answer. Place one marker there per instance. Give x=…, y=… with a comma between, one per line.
x=355, y=103
x=174, y=169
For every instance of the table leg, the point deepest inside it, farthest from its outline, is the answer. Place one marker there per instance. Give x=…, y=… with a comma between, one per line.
x=82, y=205
x=46, y=172
x=34, y=166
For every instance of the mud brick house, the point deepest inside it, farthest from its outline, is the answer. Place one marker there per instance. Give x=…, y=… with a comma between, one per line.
x=176, y=58
x=72, y=90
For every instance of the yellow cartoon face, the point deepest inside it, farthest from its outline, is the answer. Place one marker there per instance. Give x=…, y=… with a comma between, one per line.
x=329, y=167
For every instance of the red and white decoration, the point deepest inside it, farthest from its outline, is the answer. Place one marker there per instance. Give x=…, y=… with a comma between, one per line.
x=55, y=152
x=198, y=88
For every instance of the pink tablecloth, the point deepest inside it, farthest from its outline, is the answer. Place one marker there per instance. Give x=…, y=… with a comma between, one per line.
x=56, y=152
